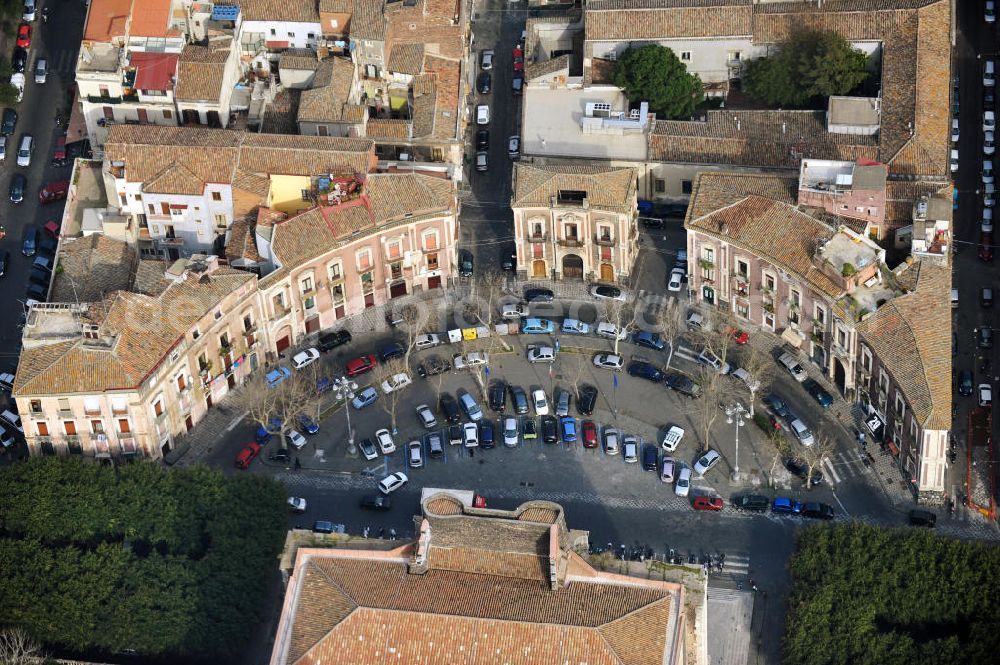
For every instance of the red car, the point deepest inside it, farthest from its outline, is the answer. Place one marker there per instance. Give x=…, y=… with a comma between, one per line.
x=24, y=36
x=518, y=52
x=707, y=503
x=589, y=430
x=247, y=455
x=986, y=247
x=518, y=64
x=361, y=365
x=738, y=336
x=54, y=191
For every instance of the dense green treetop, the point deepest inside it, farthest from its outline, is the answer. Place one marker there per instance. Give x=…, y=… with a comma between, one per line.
x=653, y=74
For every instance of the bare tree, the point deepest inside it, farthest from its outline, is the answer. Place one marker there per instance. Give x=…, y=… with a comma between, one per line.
x=385, y=373
x=489, y=290
x=670, y=326
x=280, y=404
x=708, y=407
x=17, y=648
x=439, y=383
x=823, y=445
x=758, y=366
x=416, y=322
x=782, y=448
x=622, y=314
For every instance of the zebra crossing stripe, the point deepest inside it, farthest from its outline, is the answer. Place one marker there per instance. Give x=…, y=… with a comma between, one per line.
x=736, y=564
x=830, y=470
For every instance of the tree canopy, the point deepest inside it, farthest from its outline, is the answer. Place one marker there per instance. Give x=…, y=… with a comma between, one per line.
x=811, y=65
x=867, y=595
x=172, y=564
x=653, y=74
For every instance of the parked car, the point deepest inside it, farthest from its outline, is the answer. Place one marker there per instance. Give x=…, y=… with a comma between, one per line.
x=470, y=406
x=483, y=114
x=520, y=400
x=650, y=457
x=801, y=432
x=514, y=147
x=510, y=432
x=562, y=399
x=550, y=429
x=529, y=429
x=753, y=502
x=484, y=83
x=790, y=363
x=247, y=455
x=514, y=310
x=365, y=398
x=53, y=191
x=708, y=357
x=498, y=396
x=486, y=60
x=396, y=382
x=426, y=341
x=965, y=382
x=818, y=393
x=630, y=448
x=295, y=439
x=785, y=505
x=589, y=434
x=752, y=384
x=568, y=429
x=816, y=510
x=482, y=139
x=535, y=326
x=575, y=327
x=675, y=280
x=672, y=438
x=611, y=441
x=610, y=331
x=426, y=416
x=609, y=361
x=368, y=449
x=18, y=183
x=645, y=370
x=455, y=435
x=360, y=365
x=985, y=395
x=605, y=292
x=384, y=440
x=392, y=482
x=541, y=404
x=706, y=462
x=800, y=469
x=713, y=503
x=432, y=366
x=538, y=295
x=650, y=340
x=376, y=502
x=449, y=407
x=276, y=376
x=668, y=467
x=586, y=400
x=683, y=385
x=415, y=454
x=777, y=405
x=683, y=485
x=41, y=71
x=469, y=360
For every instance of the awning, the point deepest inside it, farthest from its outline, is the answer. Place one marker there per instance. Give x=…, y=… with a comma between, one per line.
x=792, y=337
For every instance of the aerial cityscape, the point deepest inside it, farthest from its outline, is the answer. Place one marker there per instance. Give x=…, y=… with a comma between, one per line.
x=543, y=332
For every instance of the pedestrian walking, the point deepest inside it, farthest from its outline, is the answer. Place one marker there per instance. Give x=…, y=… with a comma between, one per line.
x=365, y=532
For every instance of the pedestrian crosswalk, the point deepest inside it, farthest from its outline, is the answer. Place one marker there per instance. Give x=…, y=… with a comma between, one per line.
x=844, y=464
x=736, y=563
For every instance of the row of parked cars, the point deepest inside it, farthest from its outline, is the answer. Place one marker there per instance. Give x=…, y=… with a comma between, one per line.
x=783, y=506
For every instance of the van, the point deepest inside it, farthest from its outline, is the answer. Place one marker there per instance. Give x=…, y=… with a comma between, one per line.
x=989, y=74
x=789, y=362
x=672, y=438
x=24, y=150
x=954, y=298
x=650, y=458
x=470, y=407
x=12, y=419
x=923, y=518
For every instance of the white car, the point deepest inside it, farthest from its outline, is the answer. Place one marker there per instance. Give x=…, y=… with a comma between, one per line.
x=416, y=454
x=396, y=382
x=483, y=114
x=610, y=331
x=986, y=224
x=541, y=404
x=695, y=321
x=752, y=384
x=987, y=171
x=676, y=279
x=514, y=310
x=707, y=357
x=989, y=144
x=683, y=485
x=985, y=394
x=470, y=435
x=611, y=438
x=384, y=440
x=510, y=432
x=305, y=358
x=3, y=148
x=954, y=161
x=954, y=130
x=426, y=416
x=801, y=432
x=609, y=361
x=630, y=449
x=541, y=354
x=990, y=12
x=989, y=121
x=295, y=439
x=297, y=504
x=672, y=438
x=789, y=362
x=706, y=462
x=989, y=196
x=428, y=341
x=392, y=482
x=486, y=60
x=470, y=360
x=575, y=327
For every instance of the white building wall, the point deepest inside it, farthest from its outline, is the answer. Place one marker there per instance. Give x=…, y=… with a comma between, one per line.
x=297, y=34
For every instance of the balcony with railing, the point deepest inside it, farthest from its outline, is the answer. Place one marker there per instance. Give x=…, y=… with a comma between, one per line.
x=102, y=447
x=538, y=237
x=572, y=241
x=604, y=240
x=128, y=444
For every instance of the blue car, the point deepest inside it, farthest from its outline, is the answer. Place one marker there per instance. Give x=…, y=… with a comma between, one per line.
x=813, y=388
x=648, y=339
x=575, y=327
x=307, y=425
x=323, y=385
x=783, y=505
x=276, y=376
x=364, y=398
x=568, y=424
x=646, y=371
x=537, y=326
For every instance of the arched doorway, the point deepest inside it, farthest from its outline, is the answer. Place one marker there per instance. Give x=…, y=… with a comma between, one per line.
x=607, y=272
x=538, y=269
x=572, y=267
x=839, y=374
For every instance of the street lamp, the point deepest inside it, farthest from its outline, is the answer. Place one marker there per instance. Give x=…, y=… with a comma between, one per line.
x=736, y=411
x=343, y=389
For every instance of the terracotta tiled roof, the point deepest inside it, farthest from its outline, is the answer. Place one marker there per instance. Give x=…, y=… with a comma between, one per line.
x=304, y=155
x=368, y=21
x=200, y=72
x=911, y=335
x=106, y=19
x=150, y=278
x=447, y=617
x=393, y=196
x=336, y=6
x=143, y=328
x=90, y=268
x=444, y=505
x=719, y=189
x=151, y=18
x=607, y=188
x=536, y=69
x=251, y=182
x=770, y=229
x=537, y=514
x=490, y=562
x=280, y=115
x=406, y=59
x=427, y=22
x=241, y=243
x=292, y=11
x=899, y=198
x=776, y=139
x=175, y=179
x=383, y=128
x=662, y=19
x=299, y=58
x=330, y=92
x=435, y=99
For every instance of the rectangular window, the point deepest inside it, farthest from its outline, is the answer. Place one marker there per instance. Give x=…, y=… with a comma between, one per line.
x=91, y=405
x=335, y=271
x=216, y=196
x=660, y=186
x=221, y=221
x=537, y=250
x=605, y=253
x=735, y=56
x=686, y=186
x=393, y=249
x=64, y=404
x=364, y=259
x=97, y=426
x=431, y=241
x=181, y=382
x=43, y=429
x=866, y=359
x=685, y=56
x=123, y=426
x=769, y=282
x=152, y=208
x=119, y=405
x=307, y=284
x=820, y=315
x=70, y=428
x=432, y=261
x=167, y=115
x=742, y=268
x=842, y=338
x=337, y=291
x=158, y=408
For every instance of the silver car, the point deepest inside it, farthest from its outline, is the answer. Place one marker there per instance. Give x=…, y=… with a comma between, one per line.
x=416, y=454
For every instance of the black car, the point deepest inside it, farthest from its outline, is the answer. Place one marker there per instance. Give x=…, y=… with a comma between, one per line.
x=924, y=518
x=520, y=400
x=965, y=382
x=432, y=366
x=331, y=340
x=39, y=276
x=498, y=396
x=985, y=337
x=279, y=455
x=753, y=502
x=483, y=139
x=816, y=510
x=455, y=435
x=800, y=469
x=586, y=400
x=4, y=260
x=486, y=434
x=550, y=429
x=36, y=292
x=29, y=240
x=19, y=60
x=465, y=263
x=9, y=122
x=17, y=184
x=818, y=393
x=392, y=351
x=652, y=222
x=646, y=371
x=650, y=457
x=777, y=405
x=376, y=502
x=683, y=385
x=539, y=295
x=47, y=246
x=449, y=407
x=528, y=429
x=605, y=291
x=483, y=83
x=989, y=100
